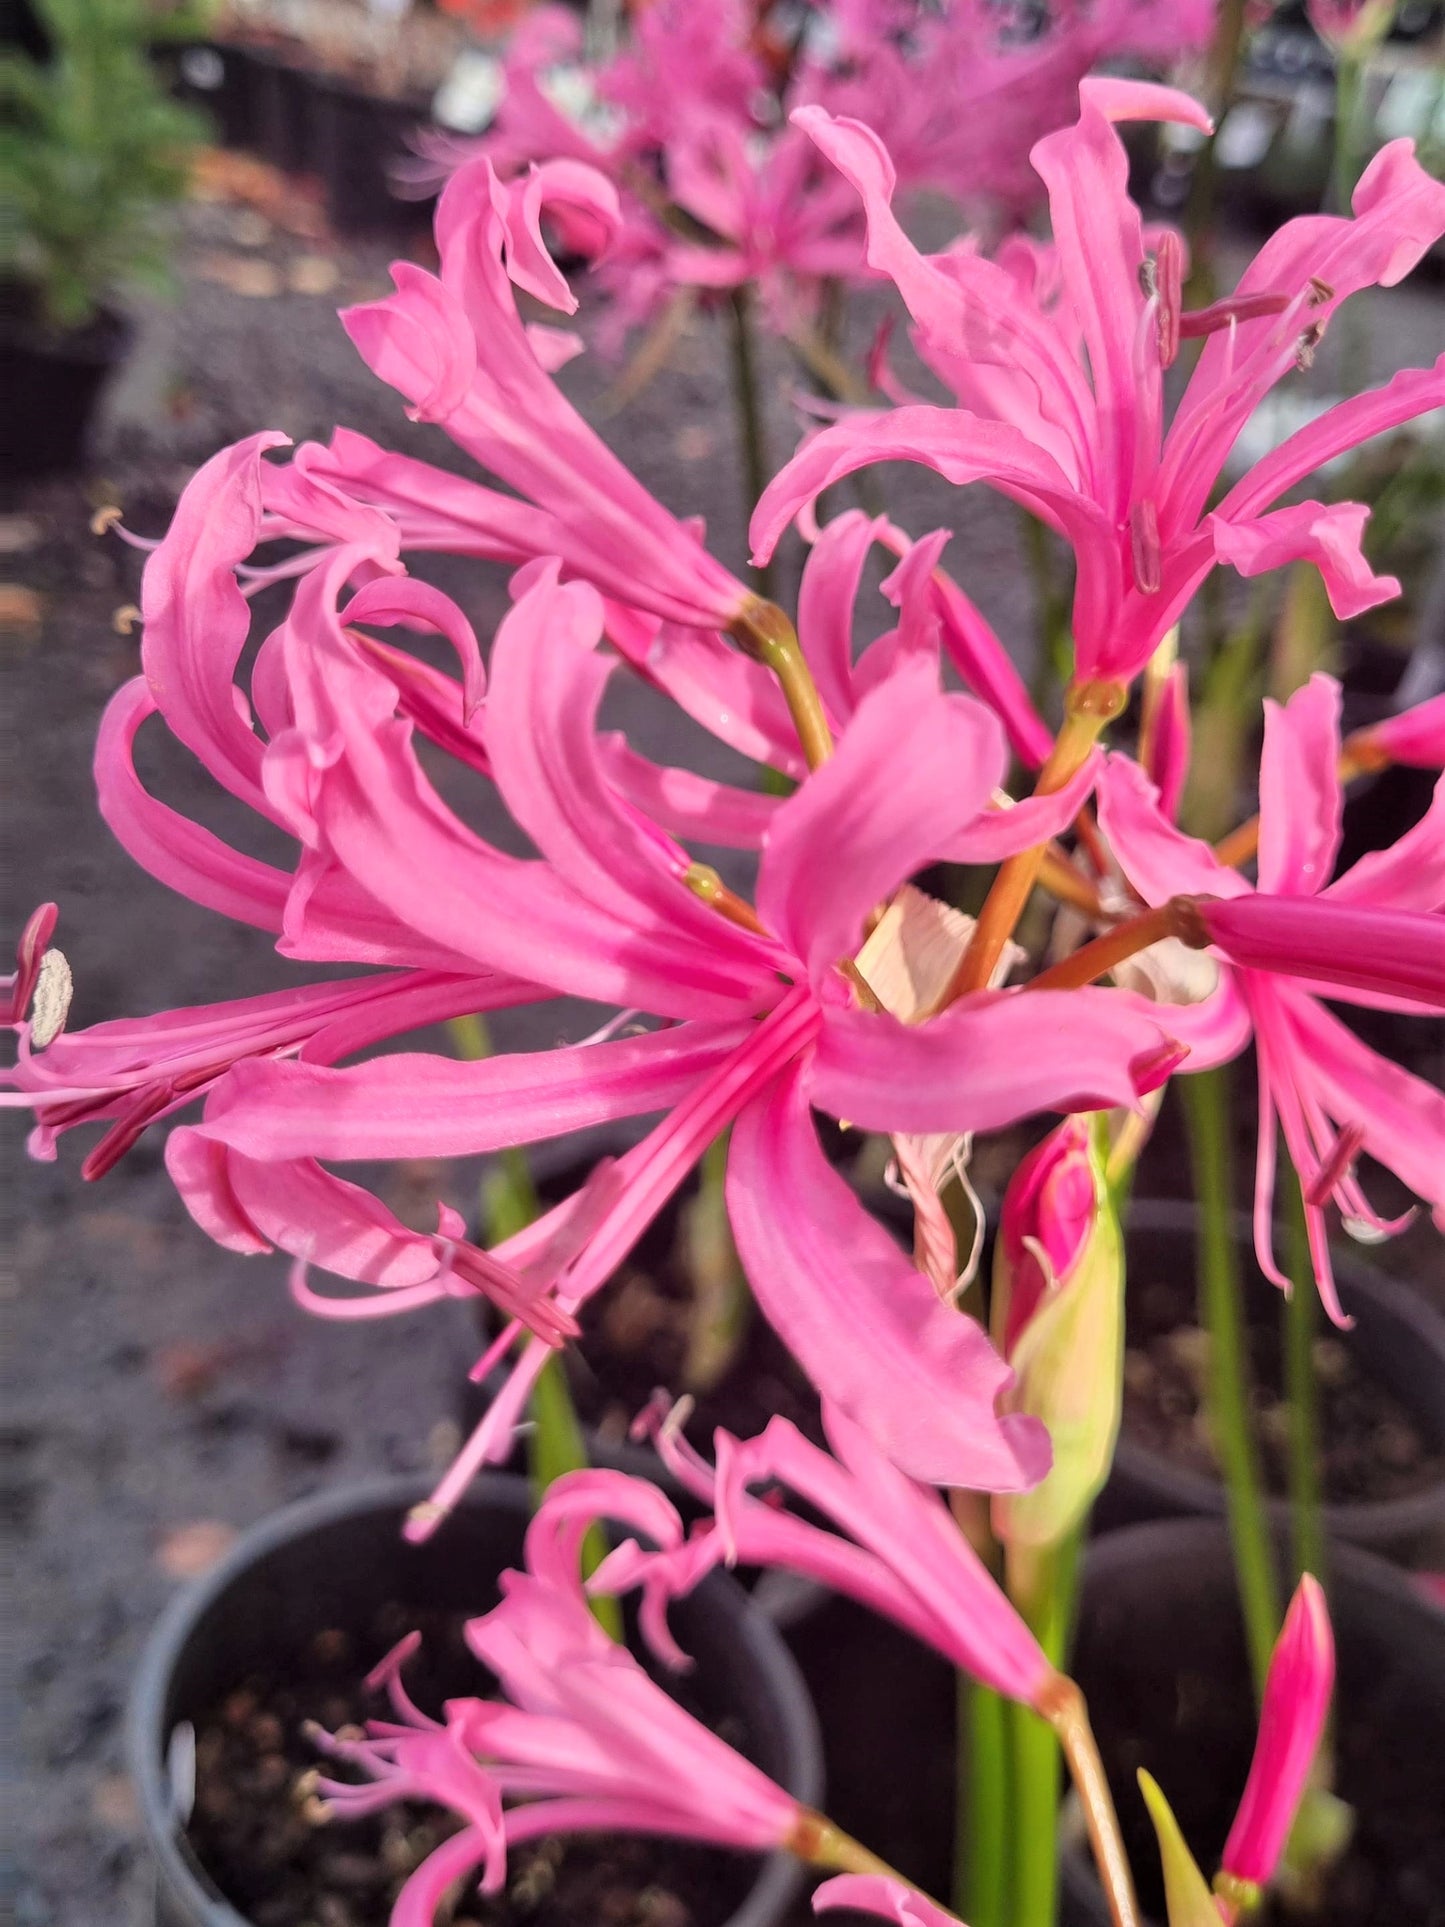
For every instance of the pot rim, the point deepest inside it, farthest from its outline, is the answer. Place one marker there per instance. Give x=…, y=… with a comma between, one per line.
x=1361, y=1521
x=146, y=1741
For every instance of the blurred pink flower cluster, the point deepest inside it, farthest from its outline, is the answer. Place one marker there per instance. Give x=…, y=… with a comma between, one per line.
x=691, y=121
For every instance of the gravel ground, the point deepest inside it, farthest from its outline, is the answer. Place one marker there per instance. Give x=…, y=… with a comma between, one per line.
x=163, y=1393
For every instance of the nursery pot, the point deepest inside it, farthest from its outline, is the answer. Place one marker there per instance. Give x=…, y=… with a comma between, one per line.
x=327, y=1566
x=52, y=383
x=1398, y=1340
x=220, y=78
x=359, y=139
x=1160, y=1655
x=285, y=130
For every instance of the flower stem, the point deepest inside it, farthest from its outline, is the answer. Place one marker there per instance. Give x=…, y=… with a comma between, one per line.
x=815, y=1839
x=1067, y=1714
x=1301, y=1397
x=1041, y=1585
x=1089, y=707
x=1206, y=1096
x=1177, y=918
x=982, y=1818
x=762, y=629
x=748, y=402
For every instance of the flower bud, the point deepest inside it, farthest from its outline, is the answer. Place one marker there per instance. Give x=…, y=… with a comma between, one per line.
x=1292, y=1717
x=1058, y=1319
x=1351, y=27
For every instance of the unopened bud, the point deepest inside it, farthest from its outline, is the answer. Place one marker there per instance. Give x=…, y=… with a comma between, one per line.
x=1296, y=1699
x=1058, y=1312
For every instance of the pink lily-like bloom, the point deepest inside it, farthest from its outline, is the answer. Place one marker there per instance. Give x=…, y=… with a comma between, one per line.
x=584, y=1741
x=613, y=917
x=896, y=1547
x=1296, y=1701
x=1059, y=369
x=874, y=1893
x=1372, y=937
x=456, y=348
x=1414, y=736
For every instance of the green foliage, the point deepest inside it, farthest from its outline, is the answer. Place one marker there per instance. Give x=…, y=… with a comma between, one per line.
x=92, y=152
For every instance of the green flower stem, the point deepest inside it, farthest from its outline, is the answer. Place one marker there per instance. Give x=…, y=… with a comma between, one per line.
x=1306, y=1499
x=1041, y=1583
x=747, y=399
x=982, y=1824
x=1206, y=1097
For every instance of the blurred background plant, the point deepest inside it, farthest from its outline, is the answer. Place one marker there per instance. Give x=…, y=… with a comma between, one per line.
x=95, y=153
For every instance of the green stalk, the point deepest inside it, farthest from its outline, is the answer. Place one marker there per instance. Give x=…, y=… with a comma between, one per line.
x=981, y=1828
x=1345, y=170
x=1199, y=214
x=1206, y=1097
x=1041, y=1583
x=747, y=399
x=1306, y=1499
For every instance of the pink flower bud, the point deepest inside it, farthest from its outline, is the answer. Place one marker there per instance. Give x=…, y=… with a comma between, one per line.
x=1048, y=1212
x=1296, y=1699
x=1058, y=1310
x=1351, y=26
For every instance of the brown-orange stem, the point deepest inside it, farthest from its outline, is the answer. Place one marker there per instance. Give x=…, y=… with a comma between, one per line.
x=1177, y=918
x=1360, y=755
x=1062, y=1705
x=1089, y=707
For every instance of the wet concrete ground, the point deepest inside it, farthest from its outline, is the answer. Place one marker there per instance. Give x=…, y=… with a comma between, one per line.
x=163, y=1393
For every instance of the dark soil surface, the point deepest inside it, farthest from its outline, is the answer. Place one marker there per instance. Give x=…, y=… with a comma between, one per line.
x=256, y=1832
x=1372, y=1448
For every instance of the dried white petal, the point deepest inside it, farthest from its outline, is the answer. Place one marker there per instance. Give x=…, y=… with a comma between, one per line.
x=50, y=1004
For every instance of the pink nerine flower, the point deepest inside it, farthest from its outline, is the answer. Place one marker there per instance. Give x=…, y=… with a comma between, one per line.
x=456, y=348
x=1370, y=936
x=584, y=1741
x=896, y=1547
x=1059, y=364
x=1296, y=1700
x=615, y=915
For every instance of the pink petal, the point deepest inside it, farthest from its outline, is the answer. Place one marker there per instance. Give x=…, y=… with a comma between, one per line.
x=912, y=768
x=960, y=446
x=414, y=1105
x=1158, y=859
x=419, y=605
x=827, y=598
x=1410, y=875
x=1310, y=532
x=684, y=804
x=170, y=847
x=1416, y=736
x=1300, y=798
x=197, y=621
x=920, y=1378
x=1398, y=952
x=990, y=1059
x=998, y=833
x=1412, y=392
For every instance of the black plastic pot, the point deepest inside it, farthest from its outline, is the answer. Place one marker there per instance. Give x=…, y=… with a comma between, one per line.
x=284, y=128
x=1160, y=1656
x=329, y=1562
x=52, y=384
x=220, y=78
x=1398, y=1338
x=359, y=140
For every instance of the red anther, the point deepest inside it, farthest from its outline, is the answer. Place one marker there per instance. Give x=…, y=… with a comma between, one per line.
x=1234, y=307
x=34, y=939
x=1169, y=287
x=1144, y=545
x=1342, y=1155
